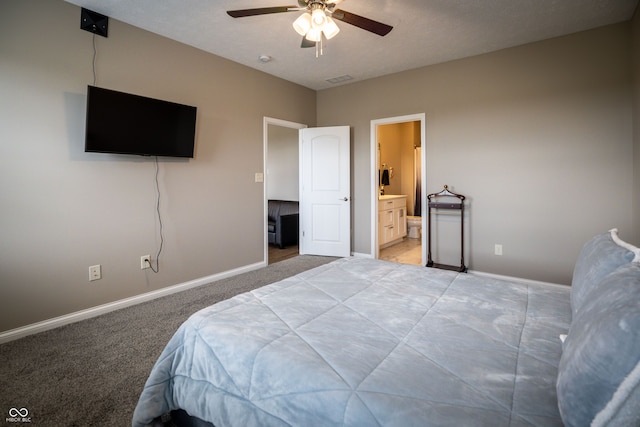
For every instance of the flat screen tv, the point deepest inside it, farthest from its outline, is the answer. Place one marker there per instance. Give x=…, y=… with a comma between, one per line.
x=123, y=123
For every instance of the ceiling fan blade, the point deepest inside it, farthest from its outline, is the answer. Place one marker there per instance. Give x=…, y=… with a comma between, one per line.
x=360, y=21
x=241, y=13
x=307, y=43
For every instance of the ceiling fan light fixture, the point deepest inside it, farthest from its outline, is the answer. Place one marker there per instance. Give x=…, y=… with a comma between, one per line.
x=316, y=23
x=302, y=25
x=330, y=29
x=314, y=35
x=318, y=18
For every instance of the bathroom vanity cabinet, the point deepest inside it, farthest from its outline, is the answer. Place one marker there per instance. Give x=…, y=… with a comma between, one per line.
x=392, y=219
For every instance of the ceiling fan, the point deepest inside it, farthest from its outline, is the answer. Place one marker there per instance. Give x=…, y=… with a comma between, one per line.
x=317, y=21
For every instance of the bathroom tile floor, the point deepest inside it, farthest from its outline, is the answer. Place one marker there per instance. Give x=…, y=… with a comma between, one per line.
x=409, y=251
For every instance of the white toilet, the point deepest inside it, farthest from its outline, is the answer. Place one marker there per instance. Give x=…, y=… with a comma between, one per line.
x=414, y=223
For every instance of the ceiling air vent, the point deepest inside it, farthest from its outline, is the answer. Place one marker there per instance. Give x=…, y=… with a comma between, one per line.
x=340, y=79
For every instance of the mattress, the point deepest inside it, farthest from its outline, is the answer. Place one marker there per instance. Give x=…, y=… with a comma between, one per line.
x=367, y=342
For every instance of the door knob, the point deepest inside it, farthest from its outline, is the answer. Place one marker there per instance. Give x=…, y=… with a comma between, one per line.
x=346, y=199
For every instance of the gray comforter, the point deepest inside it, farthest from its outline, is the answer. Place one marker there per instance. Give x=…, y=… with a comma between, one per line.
x=362, y=342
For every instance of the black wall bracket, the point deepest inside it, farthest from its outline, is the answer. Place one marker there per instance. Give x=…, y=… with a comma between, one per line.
x=94, y=22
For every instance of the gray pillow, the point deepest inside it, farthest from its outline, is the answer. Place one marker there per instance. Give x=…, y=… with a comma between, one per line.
x=598, y=257
x=599, y=371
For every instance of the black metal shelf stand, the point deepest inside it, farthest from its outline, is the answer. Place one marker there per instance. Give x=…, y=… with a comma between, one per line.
x=458, y=206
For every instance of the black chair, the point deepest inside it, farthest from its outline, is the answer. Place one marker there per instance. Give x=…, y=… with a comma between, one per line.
x=283, y=222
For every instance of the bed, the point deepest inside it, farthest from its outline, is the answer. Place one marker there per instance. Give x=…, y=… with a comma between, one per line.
x=363, y=342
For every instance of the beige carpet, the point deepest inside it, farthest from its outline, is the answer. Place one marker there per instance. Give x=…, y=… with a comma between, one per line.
x=91, y=373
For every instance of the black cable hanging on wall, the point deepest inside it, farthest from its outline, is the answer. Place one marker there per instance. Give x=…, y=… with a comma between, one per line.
x=95, y=56
x=98, y=24
x=160, y=225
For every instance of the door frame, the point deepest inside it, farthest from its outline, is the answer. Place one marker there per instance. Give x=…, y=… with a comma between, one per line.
x=421, y=117
x=266, y=121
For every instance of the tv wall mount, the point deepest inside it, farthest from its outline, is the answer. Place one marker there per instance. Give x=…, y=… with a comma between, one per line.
x=94, y=22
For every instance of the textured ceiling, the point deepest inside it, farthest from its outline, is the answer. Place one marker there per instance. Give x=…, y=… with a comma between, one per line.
x=425, y=32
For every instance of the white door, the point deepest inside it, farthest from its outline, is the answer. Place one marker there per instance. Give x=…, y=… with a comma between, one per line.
x=325, y=191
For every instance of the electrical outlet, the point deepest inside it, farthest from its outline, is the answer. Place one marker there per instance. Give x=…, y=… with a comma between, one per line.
x=259, y=177
x=95, y=272
x=498, y=249
x=145, y=262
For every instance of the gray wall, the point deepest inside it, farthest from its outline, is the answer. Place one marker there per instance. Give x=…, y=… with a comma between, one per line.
x=539, y=137
x=282, y=163
x=63, y=210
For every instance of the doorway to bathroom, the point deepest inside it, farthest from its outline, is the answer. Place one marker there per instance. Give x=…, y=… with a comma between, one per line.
x=398, y=189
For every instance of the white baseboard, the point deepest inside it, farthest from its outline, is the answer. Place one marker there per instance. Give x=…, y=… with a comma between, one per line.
x=482, y=273
x=514, y=279
x=361, y=255
x=34, y=328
